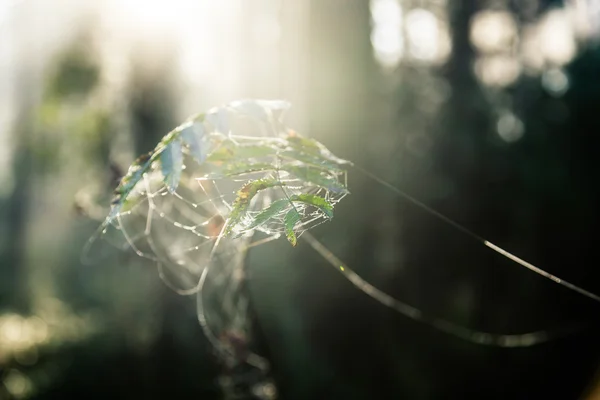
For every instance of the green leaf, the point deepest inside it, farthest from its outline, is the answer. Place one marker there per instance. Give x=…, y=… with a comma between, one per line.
x=229, y=151
x=316, y=177
x=119, y=205
x=193, y=137
x=272, y=211
x=249, y=107
x=322, y=204
x=234, y=169
x=219, y=120
x=171, y=160
x=115, y=209
x=254, y=151
x=313, y=147
x=165, y=141
x=242, y=201
x=314, y=160
x=276, y=207
x=223, y=153
x=135, y=173
x=290, y=220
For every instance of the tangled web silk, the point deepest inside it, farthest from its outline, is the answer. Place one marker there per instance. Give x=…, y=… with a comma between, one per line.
x=194, y=204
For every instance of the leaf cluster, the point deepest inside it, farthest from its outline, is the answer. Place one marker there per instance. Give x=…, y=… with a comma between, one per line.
x=306, y=174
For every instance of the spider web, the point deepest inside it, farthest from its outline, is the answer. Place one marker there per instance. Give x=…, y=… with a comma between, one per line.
x=242, y=175
x=179, y=232
x=197, y=203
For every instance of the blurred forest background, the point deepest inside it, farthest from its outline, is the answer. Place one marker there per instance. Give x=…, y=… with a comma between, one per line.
x=486, y=110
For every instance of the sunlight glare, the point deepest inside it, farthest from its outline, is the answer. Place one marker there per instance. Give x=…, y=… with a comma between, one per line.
x=586, y=18
x=388, y=44
x=493, y=31
x=4, y=11
x=200, y=34
x=557, y=39
x=386, y=12
x=497, y=70
x=551, y=42
x=158, y=14
x=386, y=34
x=423, y=34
